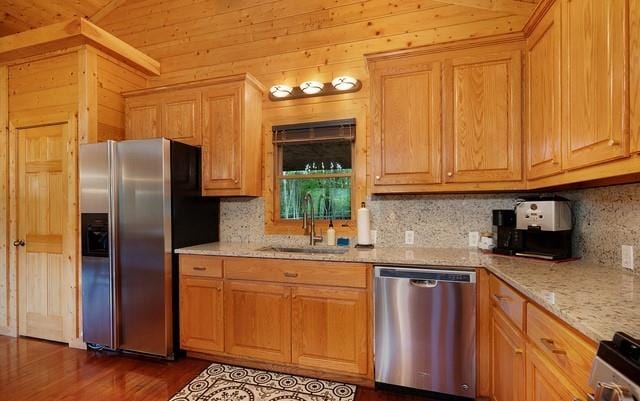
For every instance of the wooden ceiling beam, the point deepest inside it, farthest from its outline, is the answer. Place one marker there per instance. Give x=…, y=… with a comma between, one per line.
x=106, y=10
x=75, y=32
x=514, y=7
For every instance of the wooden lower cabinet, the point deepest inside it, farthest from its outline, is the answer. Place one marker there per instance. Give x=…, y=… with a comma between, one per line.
x=329, y=329
x=312, y=318
x=545, y=382
x=201, y=311
x=258, y=320
x=507, y=360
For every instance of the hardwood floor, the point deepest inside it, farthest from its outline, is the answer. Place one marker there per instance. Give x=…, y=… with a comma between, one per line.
x=41, y=370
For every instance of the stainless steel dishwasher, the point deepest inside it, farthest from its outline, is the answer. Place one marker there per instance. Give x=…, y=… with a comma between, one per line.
x=425, y=329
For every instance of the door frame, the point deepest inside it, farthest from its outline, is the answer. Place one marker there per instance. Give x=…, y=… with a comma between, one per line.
x=70, y=235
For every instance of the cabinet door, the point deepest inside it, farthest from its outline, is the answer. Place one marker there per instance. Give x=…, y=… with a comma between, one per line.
x=545, y=382
x=201, y=314
x=406, y=104
x=258, y=321
x=595, y=104
x=634, y=71
x=483, y=138
x=544, y=130
x=221, y=142
x=330, y=329
x=507, y=360
x=143, y=117
x=181, y=117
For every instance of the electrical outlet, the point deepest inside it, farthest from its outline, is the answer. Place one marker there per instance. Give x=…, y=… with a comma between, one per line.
x=374, y=236
x=628, y=257
x=408, y=237
x=474, y=238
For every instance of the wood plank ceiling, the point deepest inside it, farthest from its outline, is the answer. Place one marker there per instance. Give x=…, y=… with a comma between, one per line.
x=21, y=15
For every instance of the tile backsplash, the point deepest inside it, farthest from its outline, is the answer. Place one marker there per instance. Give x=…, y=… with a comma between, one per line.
x=605, y=218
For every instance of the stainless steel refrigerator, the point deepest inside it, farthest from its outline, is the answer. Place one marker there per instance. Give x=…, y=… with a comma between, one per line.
x=139, y=200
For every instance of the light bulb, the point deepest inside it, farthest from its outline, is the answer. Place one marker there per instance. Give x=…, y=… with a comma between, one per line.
x=344, y=83
x=281, y=90
x=311, y=87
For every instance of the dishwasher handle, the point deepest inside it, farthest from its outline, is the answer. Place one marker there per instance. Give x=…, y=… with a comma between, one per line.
x=424, y=283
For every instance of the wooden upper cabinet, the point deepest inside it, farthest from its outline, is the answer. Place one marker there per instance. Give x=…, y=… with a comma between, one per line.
x=543, y=97
x=172, y=115
x=634, y=71
x=330, y=329
x=595, y=96
x=482, y=117
x=222, y=159
x=232, y=140
x=406, y=109
x=142, y=115
x=223, y=115
x=181, y=117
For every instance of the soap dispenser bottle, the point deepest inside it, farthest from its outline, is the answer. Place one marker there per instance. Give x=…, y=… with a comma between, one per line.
x=331, y=234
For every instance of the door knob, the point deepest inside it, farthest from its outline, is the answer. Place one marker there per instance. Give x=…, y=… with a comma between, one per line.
x=18, y=242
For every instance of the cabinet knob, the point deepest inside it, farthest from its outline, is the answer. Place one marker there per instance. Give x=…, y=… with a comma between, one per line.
x=449, y=174
x=18, y=242
x=613, y=142
x=377, y=177
x=235, y=181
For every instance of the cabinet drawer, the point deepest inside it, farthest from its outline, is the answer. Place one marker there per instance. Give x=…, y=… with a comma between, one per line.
x=297, y=272
x=566, y=349
x=201, y=266
x=507, y=300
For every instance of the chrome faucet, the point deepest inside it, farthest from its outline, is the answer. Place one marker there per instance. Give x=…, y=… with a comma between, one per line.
x=309, y=229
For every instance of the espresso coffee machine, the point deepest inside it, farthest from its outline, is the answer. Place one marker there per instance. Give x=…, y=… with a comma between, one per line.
x=543, y=228
x=504, y=231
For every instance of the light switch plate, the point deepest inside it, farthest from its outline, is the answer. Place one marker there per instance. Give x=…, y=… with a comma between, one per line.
x=628, y=257
x=474, y=238
x=408, y=237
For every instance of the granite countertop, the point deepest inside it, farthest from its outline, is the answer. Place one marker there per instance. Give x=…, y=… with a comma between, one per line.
x=594, y=299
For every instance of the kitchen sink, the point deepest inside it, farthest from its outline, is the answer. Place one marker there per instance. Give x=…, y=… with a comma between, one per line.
x=330, y=251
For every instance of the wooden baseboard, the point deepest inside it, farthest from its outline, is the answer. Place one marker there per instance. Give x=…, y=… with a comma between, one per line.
x=77, y=343
x=8, y=331
x=289, y=369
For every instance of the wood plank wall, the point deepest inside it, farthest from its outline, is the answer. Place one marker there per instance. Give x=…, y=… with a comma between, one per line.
x=113, y=79
x=35, y=88
x=290, y=41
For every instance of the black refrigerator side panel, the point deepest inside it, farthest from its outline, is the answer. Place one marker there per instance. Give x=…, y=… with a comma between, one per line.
x=195, y=219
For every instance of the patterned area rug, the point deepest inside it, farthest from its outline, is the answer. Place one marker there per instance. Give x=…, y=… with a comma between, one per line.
x=231, y=383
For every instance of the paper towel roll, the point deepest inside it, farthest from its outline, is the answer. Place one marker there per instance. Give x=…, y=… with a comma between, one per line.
x=364, y=226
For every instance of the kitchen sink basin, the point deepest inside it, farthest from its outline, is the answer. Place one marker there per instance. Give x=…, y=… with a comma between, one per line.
x=330, y=251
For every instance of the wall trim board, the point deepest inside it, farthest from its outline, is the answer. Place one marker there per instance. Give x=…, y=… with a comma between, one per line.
x=7, y=322
x=87, y=97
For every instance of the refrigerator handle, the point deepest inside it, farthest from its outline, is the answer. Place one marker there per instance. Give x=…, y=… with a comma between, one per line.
x=113, y=240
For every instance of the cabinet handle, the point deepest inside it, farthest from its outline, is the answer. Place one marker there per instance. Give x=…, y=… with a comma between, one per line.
x=501, y=298
x=551, y=346
x=377, y=177
x=200, y=269
x=289, y=274
x=235, y=181
x=613, y=142
x=449, y=174
x=518, y=351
